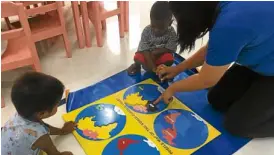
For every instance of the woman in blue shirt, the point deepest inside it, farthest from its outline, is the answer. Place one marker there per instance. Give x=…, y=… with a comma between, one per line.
x=241, y=33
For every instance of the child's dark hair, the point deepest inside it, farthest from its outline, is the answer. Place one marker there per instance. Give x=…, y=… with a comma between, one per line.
x=36, y=92
x=194, y=20
x=160, y=11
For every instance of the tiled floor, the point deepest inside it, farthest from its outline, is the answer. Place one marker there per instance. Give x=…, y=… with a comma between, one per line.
x=91, y=65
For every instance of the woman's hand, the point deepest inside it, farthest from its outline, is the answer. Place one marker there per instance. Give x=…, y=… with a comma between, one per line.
x=166, y=73
x=167, y=96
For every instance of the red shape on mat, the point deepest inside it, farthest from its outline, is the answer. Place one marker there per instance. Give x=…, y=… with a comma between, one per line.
x=123, y=143
x=171, y=118
x=170, y=134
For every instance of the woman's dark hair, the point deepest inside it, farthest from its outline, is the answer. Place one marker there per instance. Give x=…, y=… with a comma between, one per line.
x=194, y=20
x=36, y=92
x=160, y=11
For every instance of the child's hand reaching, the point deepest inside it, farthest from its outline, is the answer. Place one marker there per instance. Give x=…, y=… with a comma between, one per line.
x=68, y=127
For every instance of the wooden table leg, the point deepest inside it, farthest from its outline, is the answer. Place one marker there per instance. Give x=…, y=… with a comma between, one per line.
x=84, y=12
x=78, y=25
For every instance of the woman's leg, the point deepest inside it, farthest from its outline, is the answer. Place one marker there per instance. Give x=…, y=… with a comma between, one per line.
x=252, y=115
x=231, y=87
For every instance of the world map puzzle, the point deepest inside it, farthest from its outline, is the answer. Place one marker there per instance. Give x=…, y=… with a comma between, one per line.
x=122, y=124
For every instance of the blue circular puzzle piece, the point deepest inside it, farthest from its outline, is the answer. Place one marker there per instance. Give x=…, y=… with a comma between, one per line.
x=101, y=115
x=181, y=129
x=148, y=92
x=130, y=145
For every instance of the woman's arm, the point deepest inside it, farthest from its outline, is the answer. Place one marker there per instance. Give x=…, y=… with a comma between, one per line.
x=223, y=48
x=194, y=61
x=208, y=77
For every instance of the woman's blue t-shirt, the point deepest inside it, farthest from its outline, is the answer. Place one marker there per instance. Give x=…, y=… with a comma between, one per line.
x=243, y=33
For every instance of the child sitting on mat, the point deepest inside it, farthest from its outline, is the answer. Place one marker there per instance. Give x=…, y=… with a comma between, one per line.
x=158, y=41
x=35, y=96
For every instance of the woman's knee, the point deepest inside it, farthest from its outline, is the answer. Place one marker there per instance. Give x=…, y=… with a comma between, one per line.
x=246, y=130
x=241, y=128
x=214, y=101
x=211, y=97
x=235, y=128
